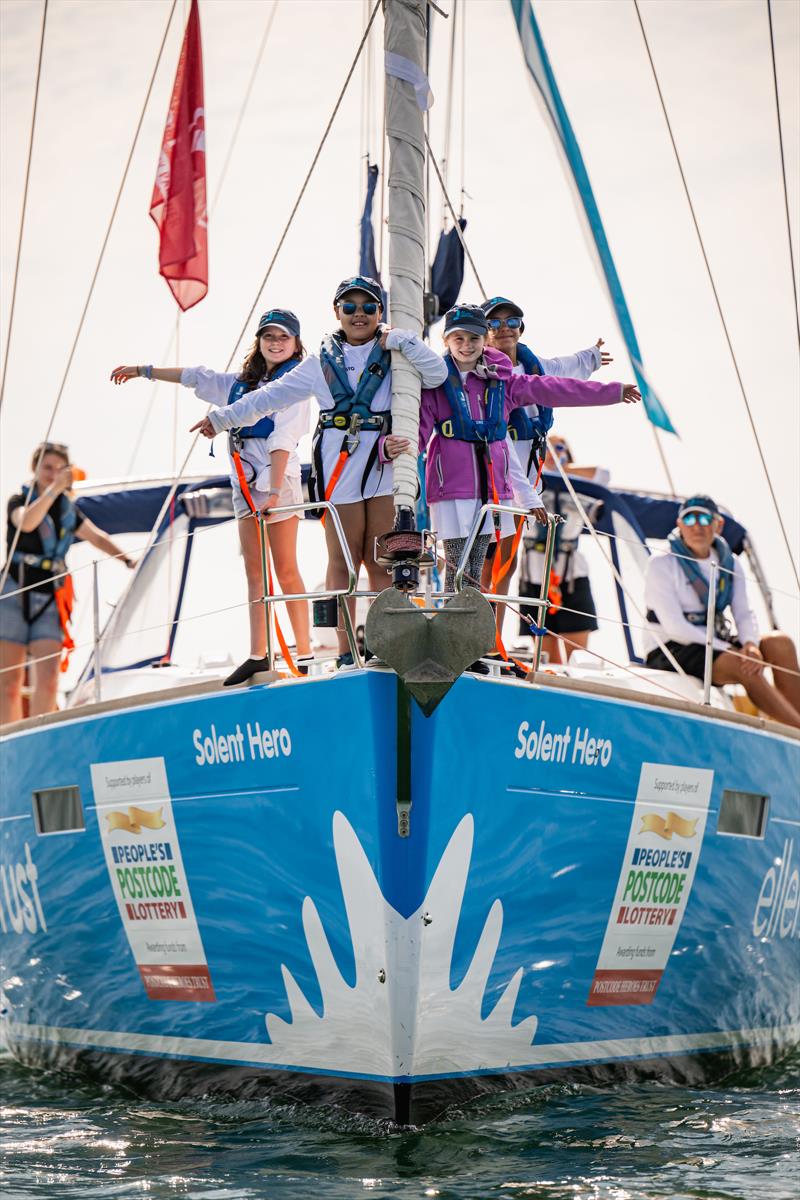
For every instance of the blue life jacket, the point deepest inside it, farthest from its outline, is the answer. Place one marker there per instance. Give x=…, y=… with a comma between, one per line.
x=263, y=427
x=462, y=425
x=55, y=542
x=349, y=402
x=521, y=425
x=693, y=573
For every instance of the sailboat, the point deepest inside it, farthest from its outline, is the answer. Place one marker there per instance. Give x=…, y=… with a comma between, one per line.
x=461, y=884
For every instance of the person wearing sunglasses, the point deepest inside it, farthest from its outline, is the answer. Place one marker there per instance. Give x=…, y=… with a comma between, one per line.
x=469, y=458
x=353, y=444
x=529, y=425
x=43, y=521
x=265, y=471
x=572, y=617
x=676, y=595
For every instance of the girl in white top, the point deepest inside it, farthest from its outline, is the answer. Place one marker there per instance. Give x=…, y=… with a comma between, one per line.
x=271, y=468
x=358, y=483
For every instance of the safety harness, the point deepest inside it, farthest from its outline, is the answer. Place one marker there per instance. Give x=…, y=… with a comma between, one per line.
x=699, y=583
x=263, y=428
x=55, y=544
x=351, y=413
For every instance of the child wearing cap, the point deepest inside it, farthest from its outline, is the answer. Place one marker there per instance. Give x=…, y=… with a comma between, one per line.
x=470, y=459
x=270, y=467
x=353, y=443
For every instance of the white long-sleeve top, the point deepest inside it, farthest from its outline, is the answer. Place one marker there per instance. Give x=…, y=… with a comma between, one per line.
x=214, y=387
x=580, y=365
x=668, y=593
x=307, y=379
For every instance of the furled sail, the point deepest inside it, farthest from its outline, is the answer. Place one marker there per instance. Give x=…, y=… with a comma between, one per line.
x=541, y=72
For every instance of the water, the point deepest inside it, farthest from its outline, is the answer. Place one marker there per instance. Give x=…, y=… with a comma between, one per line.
x=67, y=1138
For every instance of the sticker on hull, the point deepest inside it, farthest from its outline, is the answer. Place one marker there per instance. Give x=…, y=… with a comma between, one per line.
x=145, y=866
x=655, y=882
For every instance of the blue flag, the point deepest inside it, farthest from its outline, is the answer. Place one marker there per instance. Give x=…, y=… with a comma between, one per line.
x=367, y=264
x=542, y=74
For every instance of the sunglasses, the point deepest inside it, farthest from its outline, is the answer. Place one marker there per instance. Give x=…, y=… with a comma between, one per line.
x=349, y=308
x=559, y=448
x=697, y=518
x=509, y=322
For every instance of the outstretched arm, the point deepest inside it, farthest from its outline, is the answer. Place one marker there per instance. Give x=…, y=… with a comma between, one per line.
x=431, y=366
x=567, y=393
x=580, y=365
x=306, y=379
x=164, y=374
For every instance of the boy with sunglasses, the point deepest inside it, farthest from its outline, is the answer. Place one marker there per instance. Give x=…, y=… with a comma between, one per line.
x=353, y=443
x=676, y=595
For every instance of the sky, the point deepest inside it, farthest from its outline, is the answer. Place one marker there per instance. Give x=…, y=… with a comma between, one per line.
x=527, y=240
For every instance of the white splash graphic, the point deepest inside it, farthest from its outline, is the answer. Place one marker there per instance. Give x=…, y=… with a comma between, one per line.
x=402, y=1017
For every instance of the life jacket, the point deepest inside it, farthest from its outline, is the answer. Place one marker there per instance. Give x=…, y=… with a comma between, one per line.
x=263, y=427
x=347, y=402
x=351, y=413
x=55, y=544
x=566, y=537
x=697, y=580
x=461, y=425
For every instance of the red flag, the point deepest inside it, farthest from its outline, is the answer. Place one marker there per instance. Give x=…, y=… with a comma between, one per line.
x=178, y=206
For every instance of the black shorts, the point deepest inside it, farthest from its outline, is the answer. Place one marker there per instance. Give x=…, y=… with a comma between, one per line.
x=576, y=594
x=692, y=657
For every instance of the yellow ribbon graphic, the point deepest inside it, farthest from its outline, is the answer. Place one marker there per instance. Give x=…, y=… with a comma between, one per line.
x=134, y=819
x=664, y=828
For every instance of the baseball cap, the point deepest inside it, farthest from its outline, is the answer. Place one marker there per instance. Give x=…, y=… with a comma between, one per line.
x=489, y=306
x=359, y=283
x=468, y=317
x=699, y=504
x=284, y=318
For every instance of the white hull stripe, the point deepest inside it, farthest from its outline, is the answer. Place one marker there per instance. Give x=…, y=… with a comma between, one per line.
x=560, y=1054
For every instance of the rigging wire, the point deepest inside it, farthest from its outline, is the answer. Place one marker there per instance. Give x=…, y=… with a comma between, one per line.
x=176, y=477
x=456, y=225
x=448, y=117
x=245, y=102
x=24, y=203
x=167, y=352
x=76, y=339
x=717, y=301
x=463, y=11
x=783, y=170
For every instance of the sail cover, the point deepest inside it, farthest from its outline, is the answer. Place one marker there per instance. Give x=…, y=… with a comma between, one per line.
x=541, y=72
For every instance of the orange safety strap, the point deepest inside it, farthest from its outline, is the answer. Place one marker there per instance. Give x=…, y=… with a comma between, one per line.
x=334, y=479
x=65, y=600
x=243, y=484
x=499, y=571
x=554, y=593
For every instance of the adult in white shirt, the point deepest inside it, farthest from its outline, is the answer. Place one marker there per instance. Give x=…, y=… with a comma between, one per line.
x=351, y=378
x=268, y=457
x=676, y=595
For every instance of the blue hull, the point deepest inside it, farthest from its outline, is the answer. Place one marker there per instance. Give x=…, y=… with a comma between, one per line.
x=240, y=911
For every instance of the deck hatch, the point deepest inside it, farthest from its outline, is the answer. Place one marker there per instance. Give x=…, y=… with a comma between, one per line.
x=743, y=814
x=58, y=810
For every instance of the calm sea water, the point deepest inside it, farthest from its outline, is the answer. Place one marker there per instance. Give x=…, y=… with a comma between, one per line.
x=66, y=1138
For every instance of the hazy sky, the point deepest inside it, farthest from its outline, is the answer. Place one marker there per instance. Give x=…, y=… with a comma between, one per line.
x=714, y=64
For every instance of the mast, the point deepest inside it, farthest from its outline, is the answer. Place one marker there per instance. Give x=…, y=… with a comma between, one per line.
x=404, y=39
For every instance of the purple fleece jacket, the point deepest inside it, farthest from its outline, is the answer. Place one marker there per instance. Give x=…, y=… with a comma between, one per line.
x=452, y=468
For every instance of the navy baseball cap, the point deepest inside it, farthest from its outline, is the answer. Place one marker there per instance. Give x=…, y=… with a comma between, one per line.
x=699, y=504
x=489, y=306
x=359, y=283
x=284, y=318
x=468, y=317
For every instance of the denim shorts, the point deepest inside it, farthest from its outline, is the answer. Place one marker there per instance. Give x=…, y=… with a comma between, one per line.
x=14, y=627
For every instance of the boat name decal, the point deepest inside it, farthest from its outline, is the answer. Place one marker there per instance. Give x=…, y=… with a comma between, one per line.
x=215, y=748
x=778, y=904
x=588, y=750
x=21, y=911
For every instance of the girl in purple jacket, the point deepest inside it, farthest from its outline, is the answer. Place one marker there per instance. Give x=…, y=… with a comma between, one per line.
x=470, y=459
